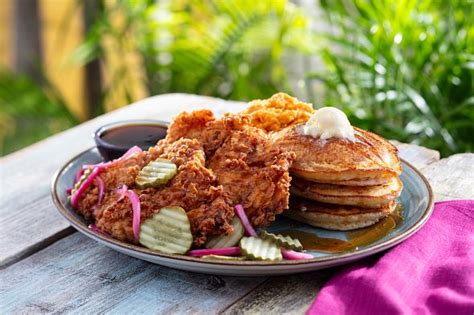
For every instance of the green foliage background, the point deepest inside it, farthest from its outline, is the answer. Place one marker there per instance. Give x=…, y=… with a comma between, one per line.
x=403, y=69
x=29, y=111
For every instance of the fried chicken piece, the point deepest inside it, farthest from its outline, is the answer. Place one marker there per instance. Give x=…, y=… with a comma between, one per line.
x=251, y=168
x=195, y=188
x=277, y=112
x=203, y=126
x=254, y=173
x=247, y=168
x=116, y=175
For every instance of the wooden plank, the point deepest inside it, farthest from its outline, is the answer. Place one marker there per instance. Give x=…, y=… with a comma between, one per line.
x=418, y=156
x=23, y=234
x=28, y=216
x=282, y=295
x=77, y=275
x=452, y=177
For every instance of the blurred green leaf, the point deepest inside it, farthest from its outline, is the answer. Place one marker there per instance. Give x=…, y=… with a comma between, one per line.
x=29, y=112
x=406, y=66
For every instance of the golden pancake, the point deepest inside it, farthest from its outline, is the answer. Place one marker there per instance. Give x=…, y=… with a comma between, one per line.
x=336, y=217
x=335, y=160
x=358, y=182
x=368, y=196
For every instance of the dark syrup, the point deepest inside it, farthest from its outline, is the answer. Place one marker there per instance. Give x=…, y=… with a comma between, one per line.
x=144, y=136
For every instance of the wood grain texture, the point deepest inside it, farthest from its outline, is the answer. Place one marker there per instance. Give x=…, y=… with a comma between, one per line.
x=419, y=157
x=27, y=214
x=452, y=177
x=282, y=295
x=77, y=275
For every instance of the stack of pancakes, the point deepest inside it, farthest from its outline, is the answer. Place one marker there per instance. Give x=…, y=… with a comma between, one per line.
x=340, y=184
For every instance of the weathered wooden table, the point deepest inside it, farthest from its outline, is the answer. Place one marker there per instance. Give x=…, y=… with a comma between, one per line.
x=47, y=267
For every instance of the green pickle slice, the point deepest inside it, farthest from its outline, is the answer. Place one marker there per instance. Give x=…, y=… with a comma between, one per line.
x=156, y=173
x=167, y=231
x=282, y=241
x=258, y=249
x=230, y=239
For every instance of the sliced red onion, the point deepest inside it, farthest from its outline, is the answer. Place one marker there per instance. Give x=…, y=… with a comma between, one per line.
x=86, y=166
x=78, y=175
x=101, y=185
x=68, y=190
x=249, y=230
x=292, y=255
x=122, y=191
x=135, y=201
x=132, y=151
x=78, y=193
x=224, y=251
x=96, y=229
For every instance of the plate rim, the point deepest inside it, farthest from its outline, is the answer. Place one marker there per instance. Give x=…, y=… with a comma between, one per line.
x=81, y=227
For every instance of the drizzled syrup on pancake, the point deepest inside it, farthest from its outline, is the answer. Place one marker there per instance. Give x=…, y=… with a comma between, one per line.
x=356, y=238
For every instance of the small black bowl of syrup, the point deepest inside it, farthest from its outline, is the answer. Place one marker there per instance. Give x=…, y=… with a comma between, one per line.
x=113, y=140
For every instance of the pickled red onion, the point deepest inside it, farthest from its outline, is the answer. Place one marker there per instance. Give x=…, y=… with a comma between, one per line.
x=78, y=193
x=239, y=210
x=136, y=208
x=101, y=185
x=224, y=251
x=129, y=153
x=85, y=166
x=133, y=150
x=78, y=175
x=135, y=201
x=96, y=229
x=122, y=191
x=292, y=255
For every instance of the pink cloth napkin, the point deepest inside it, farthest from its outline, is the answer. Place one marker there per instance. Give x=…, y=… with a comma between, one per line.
x=430, y=273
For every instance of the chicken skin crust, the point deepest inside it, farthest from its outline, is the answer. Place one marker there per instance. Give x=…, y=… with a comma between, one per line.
x=254, y=173
x=252, y=170
x=277, y=112
x=195, y=188
x=204, y=127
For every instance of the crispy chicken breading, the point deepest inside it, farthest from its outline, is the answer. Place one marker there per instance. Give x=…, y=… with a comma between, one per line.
x=277, y=112
x=221, y=163
x=253, y=171
x=195, y=188
x=203, y=126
